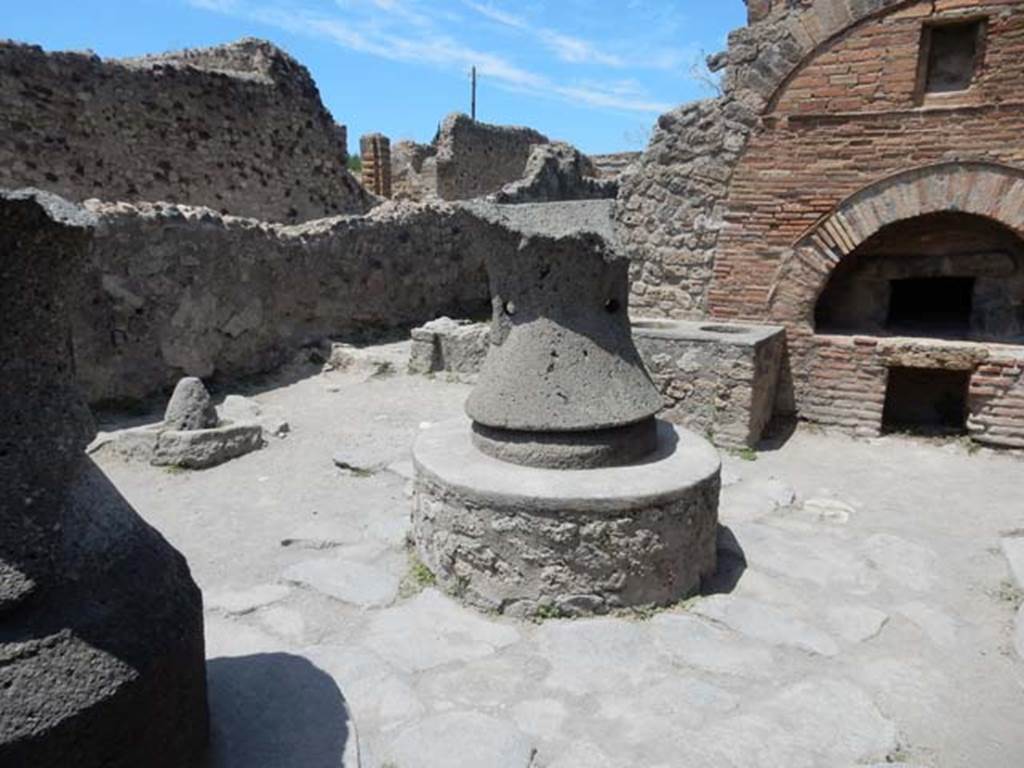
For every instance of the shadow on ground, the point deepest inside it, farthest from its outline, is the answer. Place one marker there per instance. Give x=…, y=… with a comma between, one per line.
x=777, y=433
x=276, y=710
x=732, y=562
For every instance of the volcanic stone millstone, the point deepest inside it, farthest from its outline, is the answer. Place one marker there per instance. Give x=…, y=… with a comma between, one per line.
x=101, y=626
x=562, y=358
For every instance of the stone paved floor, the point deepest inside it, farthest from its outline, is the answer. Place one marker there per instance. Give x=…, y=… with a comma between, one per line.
x=873, y=621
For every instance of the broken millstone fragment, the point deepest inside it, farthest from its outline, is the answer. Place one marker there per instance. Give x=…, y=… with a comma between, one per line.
x=190, y=407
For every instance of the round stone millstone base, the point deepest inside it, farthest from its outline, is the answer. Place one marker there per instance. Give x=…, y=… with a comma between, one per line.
x=569, y=450
x=528, y=541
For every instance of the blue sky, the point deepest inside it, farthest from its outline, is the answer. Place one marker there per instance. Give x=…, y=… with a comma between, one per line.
x=596, y=73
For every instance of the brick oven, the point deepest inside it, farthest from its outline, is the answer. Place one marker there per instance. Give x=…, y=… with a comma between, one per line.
x=861, y=183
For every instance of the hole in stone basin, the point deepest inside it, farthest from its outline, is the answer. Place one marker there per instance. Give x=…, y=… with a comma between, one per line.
x=715, y=328
x=926, y=400
x=611, y=306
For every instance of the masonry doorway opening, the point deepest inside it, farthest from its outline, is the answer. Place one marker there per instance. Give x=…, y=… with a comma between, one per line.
x=926, y=401
x=946, y=275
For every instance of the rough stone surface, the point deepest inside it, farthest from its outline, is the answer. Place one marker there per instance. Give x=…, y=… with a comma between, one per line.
x=467, y=159
x=614, y=165
x=432, y=630
x=765, y=623
x=203, y=448
x=560, y=323
x=364, y=584
x=718, y=383
x=451, y=346
x=1018, y=634
x=717, y=379
x=191, y=449
x=190, y=407
x=589, y=449
x=173, y=289
x=239, y=128
x=461, y=740
x=236, y=408
x=1013, y=550
x=427, y=654
x=556, y=172
x=525, y=540
x=101, y=628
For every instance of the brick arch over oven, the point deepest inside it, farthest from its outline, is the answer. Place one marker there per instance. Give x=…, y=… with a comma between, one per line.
x=989, y=190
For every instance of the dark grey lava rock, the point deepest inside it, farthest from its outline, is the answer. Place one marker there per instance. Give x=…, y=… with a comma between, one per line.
x=101, y=628
x=562, y=358
x=190, y=407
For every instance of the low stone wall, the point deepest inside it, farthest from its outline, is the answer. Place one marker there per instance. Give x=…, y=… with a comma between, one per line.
x=716, y=379
x=239, y=128
x=449, y=346
x=175, y=291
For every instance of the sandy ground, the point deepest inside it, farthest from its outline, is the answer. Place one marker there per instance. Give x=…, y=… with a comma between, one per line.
x=866, y=612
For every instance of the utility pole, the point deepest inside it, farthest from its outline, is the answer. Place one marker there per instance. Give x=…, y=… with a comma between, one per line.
x=473, y=102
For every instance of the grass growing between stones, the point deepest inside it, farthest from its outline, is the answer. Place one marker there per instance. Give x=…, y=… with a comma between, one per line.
x=547, y=611
x=418, y=578
x=747, y=454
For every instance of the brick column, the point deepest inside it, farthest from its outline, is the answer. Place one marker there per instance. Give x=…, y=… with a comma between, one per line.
x=375, y=152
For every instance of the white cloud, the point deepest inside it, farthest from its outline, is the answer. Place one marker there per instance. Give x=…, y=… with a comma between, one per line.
x=221, y=6
x=402, y=30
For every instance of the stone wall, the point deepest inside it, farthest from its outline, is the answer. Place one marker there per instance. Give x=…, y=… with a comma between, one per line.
x=466, y=159
x=413, y=171
x=239, y=128
x=556, y=172
x=613, y=165
x=174, y=290
x=475, y=159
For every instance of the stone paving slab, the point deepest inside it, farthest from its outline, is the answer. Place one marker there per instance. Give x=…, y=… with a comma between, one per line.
x=862, y=630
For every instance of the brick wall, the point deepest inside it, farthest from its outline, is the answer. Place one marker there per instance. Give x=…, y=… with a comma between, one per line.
x=996, y=400
x=847, y=119
x=375, y=155
x=741, y=206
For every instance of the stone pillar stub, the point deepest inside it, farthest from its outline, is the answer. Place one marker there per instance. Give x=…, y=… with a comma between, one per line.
x=101, y=626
